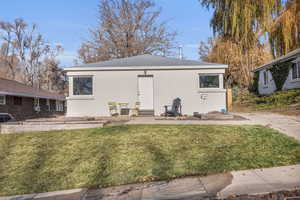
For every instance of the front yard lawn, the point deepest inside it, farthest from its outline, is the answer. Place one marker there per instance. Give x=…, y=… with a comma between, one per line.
x=114, y=155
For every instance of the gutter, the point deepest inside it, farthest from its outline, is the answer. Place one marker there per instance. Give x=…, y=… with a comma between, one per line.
x=138, y=68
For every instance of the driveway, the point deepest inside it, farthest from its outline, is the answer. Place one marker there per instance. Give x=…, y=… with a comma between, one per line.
x=289, y=125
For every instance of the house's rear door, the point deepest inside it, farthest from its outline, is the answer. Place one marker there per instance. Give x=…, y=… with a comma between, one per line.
x=145, y=93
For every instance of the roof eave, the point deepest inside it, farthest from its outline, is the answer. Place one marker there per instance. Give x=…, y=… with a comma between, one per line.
x=278, y=60
x=269, y=65
x=137, y=68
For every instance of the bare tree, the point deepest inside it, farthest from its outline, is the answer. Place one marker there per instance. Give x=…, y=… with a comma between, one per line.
x=53, y=77
x=24, y=51
x=8, y=58
x=127, y=28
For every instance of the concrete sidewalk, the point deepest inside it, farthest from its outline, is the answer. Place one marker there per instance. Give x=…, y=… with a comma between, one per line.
x=255, y=181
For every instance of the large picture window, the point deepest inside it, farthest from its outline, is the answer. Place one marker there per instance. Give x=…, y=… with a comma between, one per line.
x=296, y=71
x=209, y=81
x=83, y=85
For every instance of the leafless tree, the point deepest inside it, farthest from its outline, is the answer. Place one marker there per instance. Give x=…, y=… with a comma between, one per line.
x=8, y=58
x=127, y=28
x=25, y=52
x=53, y=77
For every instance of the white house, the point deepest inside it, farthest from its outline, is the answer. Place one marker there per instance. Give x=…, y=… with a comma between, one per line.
x=154, y=81
x=266, y=82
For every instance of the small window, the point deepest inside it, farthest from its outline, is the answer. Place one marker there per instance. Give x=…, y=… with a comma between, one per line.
x=83, y=85
x=18, y=101
x=296, y=71
x=209, y=81
x=2, y=99
x=265, y=73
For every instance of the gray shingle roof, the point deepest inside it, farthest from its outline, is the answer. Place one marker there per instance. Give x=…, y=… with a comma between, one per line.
x=147, y=60
x=289, y=56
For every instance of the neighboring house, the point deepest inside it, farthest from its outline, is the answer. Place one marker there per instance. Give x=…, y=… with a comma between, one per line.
x=23, y=102
x=266, y=82
x=153, y=81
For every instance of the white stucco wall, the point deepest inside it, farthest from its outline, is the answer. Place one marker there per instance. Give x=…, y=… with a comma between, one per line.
x=270, y=87
x=290, y=83
x=122, y=86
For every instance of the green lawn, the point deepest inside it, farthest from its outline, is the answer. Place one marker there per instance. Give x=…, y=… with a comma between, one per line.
x=114, y=155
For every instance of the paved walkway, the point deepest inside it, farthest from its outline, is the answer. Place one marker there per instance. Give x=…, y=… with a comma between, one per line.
x=191, y=188
x=289, y=125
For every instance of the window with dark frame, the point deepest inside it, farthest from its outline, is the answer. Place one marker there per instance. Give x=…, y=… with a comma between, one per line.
x=18, y=101
x=83, y=85
x=209, y=81
x=296, y=71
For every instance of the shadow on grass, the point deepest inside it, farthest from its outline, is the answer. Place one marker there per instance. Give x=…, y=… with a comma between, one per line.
x=102, y=170
x=163, y=165
x=28, y=174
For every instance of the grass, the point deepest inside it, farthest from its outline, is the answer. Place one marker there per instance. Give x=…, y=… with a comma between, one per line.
x=56, y=160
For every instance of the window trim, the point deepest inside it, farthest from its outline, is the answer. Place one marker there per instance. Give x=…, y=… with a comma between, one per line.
x=265, y=81
x=209, y=74
x=4, y=100
x=82, y=95
x=297, y=66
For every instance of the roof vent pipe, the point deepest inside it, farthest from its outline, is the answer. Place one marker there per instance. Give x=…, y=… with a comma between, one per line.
x=180, y=55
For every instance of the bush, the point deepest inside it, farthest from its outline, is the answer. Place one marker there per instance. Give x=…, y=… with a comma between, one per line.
x=277, y=99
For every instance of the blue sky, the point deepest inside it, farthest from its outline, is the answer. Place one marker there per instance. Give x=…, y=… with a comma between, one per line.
x=67, y=21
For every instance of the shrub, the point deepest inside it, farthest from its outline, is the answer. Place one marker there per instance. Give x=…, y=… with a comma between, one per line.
x=277, y=99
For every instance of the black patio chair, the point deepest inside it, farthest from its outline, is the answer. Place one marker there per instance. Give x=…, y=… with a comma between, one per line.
x=173, y=110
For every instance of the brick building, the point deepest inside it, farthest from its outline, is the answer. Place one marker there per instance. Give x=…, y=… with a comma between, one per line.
x=24, y=102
